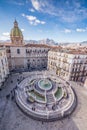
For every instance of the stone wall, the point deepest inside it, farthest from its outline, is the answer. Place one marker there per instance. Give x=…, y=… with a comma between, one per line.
x=4, y=71
x=22, y=57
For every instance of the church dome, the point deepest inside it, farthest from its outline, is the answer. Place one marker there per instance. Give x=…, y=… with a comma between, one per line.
x=16, y=32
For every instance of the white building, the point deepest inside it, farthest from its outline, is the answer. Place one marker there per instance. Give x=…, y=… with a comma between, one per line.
x=68, y=65
x=4, y=71
x=28, y=57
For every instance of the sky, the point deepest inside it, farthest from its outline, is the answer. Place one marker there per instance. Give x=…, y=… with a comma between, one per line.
x=60, y=20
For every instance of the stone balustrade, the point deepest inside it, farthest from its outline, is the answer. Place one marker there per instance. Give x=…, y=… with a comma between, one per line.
x=46, y=111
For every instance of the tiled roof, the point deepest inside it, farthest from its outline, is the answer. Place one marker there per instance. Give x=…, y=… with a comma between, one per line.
x=37, y=45
x=12, y=45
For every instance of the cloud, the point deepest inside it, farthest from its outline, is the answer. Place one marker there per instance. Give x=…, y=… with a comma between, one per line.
x=6, y=34
x=81, y=30
x=30, y=17
x=67, y=31
x=31, y=10
x=22, y=30
x=4, y=38
x=23, y=14
x=42, y=22
x=68, y=11
x=76, y=30
x=33, y=20
x=36, y=4
x=44, y=6
x=16, y=2
x=19, y=3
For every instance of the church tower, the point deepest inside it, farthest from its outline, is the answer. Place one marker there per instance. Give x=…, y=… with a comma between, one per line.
x=16, y=35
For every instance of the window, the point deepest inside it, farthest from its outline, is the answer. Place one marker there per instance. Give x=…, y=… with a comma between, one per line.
x=0, y=54
x=26, y=51
x=5, y=60
x=18, y=51
x=28, y=60
x=8, y=51
x=2, y=62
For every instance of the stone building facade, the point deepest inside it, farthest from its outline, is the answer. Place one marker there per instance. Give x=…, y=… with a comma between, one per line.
x=4, y=70
x=37, y=56
x=85, y=84
x=27, y=57
x=68, y=65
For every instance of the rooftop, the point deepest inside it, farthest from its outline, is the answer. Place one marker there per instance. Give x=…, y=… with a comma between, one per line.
x=79, y=51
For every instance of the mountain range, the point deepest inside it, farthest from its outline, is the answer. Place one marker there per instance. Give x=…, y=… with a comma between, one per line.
x=47, y=41
x=43, y=41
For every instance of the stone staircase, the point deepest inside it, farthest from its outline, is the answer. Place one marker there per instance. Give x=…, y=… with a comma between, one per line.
x=50, y=98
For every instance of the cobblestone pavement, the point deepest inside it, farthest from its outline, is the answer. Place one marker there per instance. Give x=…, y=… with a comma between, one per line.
x=12, y=118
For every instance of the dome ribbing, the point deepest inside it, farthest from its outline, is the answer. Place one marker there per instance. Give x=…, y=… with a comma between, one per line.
x=16, y=34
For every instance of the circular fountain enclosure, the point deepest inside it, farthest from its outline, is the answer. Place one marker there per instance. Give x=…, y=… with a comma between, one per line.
x=45, y=84
x=45, y=106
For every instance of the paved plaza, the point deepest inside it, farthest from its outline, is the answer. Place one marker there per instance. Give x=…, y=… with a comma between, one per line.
x=12, y=118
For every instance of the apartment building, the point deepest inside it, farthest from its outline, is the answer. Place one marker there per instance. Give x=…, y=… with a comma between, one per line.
x=69, y=65
x=4, y=70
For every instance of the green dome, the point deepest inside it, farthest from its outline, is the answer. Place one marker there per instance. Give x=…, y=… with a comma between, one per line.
x=16, y=32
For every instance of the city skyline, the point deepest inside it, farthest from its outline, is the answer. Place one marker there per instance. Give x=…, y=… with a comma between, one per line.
x=62, y=21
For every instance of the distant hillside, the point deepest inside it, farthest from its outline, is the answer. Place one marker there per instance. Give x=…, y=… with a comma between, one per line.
x=48, y=42
x=84, y=42
x=4, y=41
x=44, y=41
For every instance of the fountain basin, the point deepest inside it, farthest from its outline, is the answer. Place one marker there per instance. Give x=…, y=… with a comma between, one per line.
x=44, y=84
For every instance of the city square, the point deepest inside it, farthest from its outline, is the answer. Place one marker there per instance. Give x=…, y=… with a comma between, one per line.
x=43, y=65
x=12, y=118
